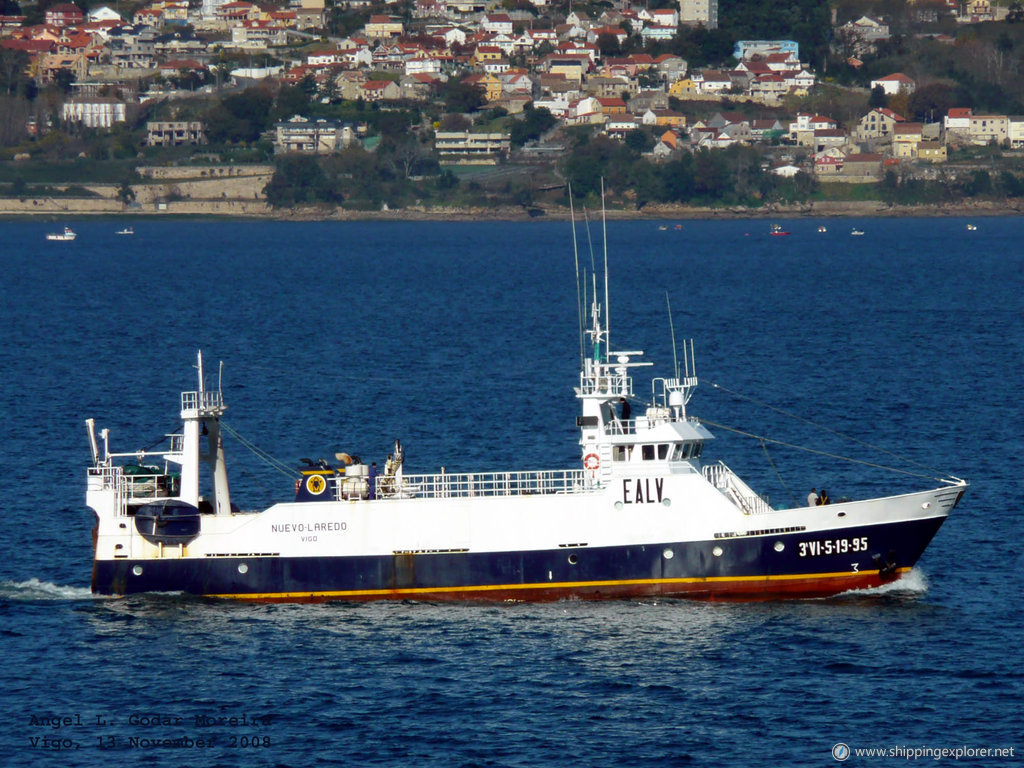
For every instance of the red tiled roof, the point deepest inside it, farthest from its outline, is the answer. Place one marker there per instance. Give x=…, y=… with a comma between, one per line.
x=897, y=77
x=29, y=46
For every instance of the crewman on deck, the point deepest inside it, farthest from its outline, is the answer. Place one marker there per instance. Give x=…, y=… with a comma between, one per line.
x=812, y=498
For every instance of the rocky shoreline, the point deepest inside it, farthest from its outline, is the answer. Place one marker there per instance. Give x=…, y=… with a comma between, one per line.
x=59, y=208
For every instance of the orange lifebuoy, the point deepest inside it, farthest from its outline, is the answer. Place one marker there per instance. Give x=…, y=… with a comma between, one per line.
x=591, y=461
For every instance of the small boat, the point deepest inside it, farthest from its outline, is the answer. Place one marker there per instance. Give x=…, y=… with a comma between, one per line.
x=971, y=228
x=126, y=231
x=777, y=231
x=679, y=226
x=822, y=228
x=67, y=234
x=643, y=512
x=856, y=232
x=662, y=228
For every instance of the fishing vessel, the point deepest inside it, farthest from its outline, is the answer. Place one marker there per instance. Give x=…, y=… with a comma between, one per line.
x=67, y=234
x=126, y=231
x=777, y=230
x=645, y=512
x=856, y=232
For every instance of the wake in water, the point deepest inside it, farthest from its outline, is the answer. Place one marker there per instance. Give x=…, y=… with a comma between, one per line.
x=34, y=589
x=912, y=584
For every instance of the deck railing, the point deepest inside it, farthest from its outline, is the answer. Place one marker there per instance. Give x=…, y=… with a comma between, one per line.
x=655, y=417
x=207, y=400
x=737, y=491
x=133, y=487
x=472, y=484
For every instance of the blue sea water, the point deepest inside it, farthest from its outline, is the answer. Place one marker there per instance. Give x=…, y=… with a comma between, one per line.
x=461, y=339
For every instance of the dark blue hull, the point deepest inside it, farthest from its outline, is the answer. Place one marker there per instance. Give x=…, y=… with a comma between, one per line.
x=779, y=565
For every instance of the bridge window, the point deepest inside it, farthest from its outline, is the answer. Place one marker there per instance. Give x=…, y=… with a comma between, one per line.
x=647, y=452
x=663, y=451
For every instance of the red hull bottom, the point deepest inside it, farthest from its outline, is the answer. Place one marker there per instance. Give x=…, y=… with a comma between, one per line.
x=748, y=589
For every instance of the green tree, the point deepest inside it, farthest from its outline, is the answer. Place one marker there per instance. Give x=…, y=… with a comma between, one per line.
x=640, y=141
x=678, y=181
x=241, y=117
x=711, y=175
x=594, y=158
x=291, y=100
x=532, y=124
x=890, y=186
x=125, y=194
x=12, y=70
x=931, y=102
x=1010, y=184
x=343, y=22
x=63, y=78
x=330, y=90
x=980, y=183
x=700, y=46
x=460, y=96
x=877, y=98
x=447, y=180
x=300, y=179
x=609, y=45
x=808, y=22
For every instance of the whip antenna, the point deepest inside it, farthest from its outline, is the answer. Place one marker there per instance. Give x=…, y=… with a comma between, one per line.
x=607, y=305
x=576, y=259
x=672, y=330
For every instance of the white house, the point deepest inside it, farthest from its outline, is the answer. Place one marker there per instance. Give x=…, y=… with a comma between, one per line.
x=104, y=13
x=861, y=36
x=894, y=83
x=98, y=112
x=1016, y=131
x=787, y=171
x=712, y=81
x=499, y=23
x=800, y=81
x=657, y=32
x=957, y=122
x=427, y=65
x=585, y=111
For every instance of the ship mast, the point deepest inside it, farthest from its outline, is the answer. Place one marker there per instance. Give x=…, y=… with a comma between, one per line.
x=200, y=414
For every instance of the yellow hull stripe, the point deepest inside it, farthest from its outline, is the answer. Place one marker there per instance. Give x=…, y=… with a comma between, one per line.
x=553, y=585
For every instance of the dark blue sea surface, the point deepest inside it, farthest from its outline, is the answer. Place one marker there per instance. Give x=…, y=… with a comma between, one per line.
x=462, y=340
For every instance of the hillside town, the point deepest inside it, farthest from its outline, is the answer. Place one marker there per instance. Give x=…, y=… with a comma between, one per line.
x=108, y=69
